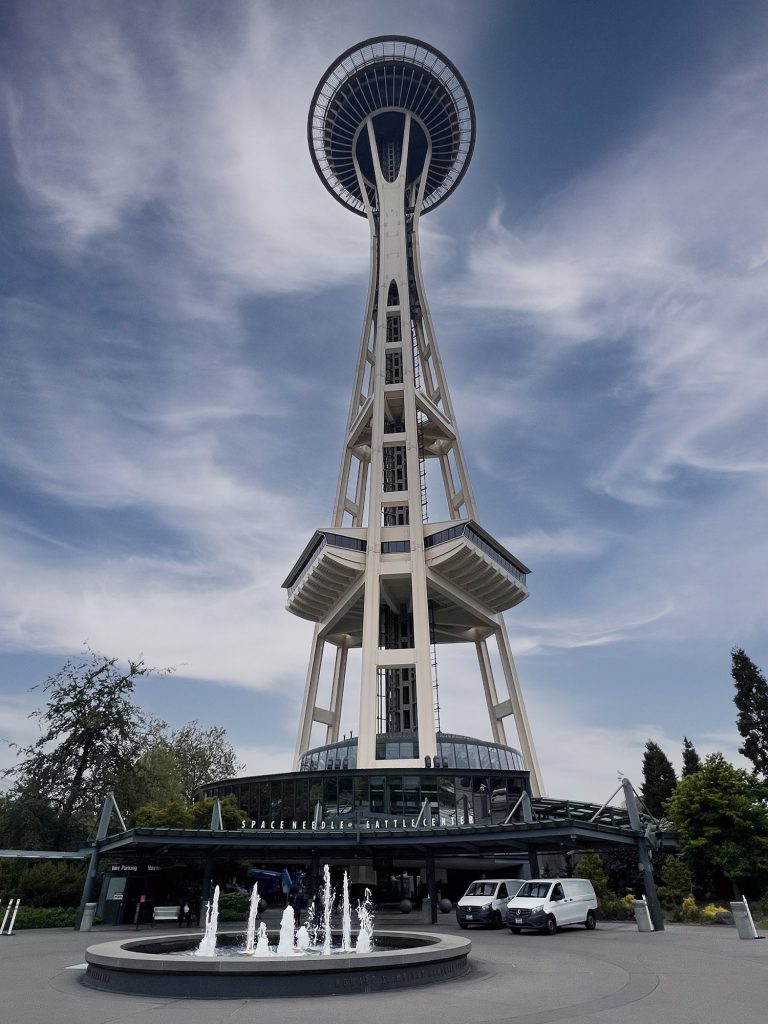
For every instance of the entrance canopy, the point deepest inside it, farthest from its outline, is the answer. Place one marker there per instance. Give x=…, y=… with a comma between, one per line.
x=556, y=827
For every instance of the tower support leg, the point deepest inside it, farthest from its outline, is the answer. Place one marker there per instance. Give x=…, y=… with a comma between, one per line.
x=518, y=709
x=643, y=855
x=310, y=695
x=533, y=861
x=489, y=686
x=337, y=693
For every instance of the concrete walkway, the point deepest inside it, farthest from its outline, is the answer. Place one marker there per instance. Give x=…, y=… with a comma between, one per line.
x=614, y=975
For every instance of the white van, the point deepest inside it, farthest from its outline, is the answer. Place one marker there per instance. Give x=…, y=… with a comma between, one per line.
x=485, y=901
x=547, y=904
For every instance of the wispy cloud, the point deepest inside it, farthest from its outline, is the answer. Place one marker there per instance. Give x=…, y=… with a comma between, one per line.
x=658, y=252
x=567, y=542
x=166, y=437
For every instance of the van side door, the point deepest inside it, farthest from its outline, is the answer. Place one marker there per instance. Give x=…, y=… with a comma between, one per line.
x=573, y=905
x=502, y=898
x=558, y=906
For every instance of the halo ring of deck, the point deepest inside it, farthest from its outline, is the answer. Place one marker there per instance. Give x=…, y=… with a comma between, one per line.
x=391, y=73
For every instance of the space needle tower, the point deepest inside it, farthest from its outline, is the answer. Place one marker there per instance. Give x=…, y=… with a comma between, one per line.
x=401, y=572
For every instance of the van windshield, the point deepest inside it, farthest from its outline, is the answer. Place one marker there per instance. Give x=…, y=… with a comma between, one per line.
x=534, y=890
x=481, y=889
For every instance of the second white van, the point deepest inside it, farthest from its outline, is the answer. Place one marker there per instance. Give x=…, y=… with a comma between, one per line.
x=546, y=904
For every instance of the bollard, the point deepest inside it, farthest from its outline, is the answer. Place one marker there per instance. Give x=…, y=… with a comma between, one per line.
x=89, y=913
x=742, y=918
x=13, y=918
x=642, y=915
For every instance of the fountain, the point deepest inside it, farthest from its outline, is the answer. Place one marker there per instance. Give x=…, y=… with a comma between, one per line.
x=253, y=912
x=346, y=917
x=311, y=961
x=262, y=946
x=365, y=919
x=207, y=945
x=302, y=939
x=287, y=943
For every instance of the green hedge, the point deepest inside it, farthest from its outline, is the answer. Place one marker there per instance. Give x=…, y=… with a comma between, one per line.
x=233, y=906
x=44, y=917
x=42, y=883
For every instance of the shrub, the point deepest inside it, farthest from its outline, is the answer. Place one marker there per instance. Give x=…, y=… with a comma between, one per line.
x=233, y=906
x=759, y=910
x=615, y=908
x=689, y=910
x=710, y=912
x=609, y=905
x=45, y=917
x=42, y=883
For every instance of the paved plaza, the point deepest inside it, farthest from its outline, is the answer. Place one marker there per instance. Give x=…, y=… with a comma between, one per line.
x=614, y=975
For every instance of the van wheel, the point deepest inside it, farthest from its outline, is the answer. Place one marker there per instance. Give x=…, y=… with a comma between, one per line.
x=551, y=926
x=464, y=926
x=591, y=921
x=497, y=922
x=515, y=931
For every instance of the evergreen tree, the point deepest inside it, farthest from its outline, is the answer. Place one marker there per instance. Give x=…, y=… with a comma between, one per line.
x=659, y=779
x=691, y=759
x=752, y=702
x=591, y=866
x=676, y=879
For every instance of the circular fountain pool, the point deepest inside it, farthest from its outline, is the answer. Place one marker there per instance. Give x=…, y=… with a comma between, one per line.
x=158, y=967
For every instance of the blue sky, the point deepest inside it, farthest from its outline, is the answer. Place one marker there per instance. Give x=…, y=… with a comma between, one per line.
x=180, y=307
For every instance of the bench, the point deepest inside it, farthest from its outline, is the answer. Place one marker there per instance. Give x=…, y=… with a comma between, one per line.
x=165, y=914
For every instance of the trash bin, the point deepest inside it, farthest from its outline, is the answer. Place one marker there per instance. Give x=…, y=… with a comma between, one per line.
x=642, y=915
x=742, y=918
x=88, y=915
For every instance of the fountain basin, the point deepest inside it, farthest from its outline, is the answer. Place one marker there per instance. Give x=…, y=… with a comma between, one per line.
x=147, y=966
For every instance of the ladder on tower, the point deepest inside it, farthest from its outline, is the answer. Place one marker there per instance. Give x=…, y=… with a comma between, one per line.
x=433, y=662
x=420, y=427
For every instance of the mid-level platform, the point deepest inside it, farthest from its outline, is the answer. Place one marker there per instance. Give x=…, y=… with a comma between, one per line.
x=470, y=578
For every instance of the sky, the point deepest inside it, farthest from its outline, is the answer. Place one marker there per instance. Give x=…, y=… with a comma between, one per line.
x=180, y=308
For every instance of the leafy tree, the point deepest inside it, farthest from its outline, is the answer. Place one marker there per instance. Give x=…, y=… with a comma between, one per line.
x=659, y=779
x=168, y=815
x=691, y=759
x=94, y=739
x=202, y=755
x=91, y=733
x=175, y=766
x=27, y=822
x=176, y=815
x=721, y=819
x=155, y=778
x=752, y=702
